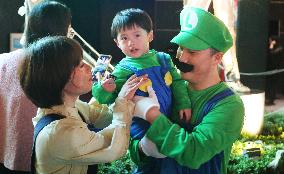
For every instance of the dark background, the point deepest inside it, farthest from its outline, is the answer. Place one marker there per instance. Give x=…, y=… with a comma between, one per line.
x=92, y=20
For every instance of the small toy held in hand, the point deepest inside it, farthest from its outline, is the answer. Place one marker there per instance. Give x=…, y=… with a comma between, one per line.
x=100, y=71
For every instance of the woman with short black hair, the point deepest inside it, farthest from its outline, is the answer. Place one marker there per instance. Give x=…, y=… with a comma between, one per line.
x=53, y=76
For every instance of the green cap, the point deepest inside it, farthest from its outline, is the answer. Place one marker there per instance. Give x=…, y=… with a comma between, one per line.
x=201, y=30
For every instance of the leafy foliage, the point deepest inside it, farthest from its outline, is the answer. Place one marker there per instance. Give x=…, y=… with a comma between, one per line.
x=269, y=141
x=240, y=164
x=122, y=166
x=273, y=123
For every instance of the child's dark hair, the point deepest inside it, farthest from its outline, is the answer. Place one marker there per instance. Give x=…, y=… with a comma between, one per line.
x=128, y=18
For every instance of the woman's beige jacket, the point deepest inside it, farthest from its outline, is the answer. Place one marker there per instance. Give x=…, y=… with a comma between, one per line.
x=68, y=146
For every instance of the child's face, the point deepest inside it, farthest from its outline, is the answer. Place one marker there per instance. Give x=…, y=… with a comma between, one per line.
x=134, y=42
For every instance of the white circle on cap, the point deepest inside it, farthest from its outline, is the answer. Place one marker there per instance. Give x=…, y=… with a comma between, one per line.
x=189, y=20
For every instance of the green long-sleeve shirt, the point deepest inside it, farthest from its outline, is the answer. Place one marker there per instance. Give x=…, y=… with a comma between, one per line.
x=178, y=86
x=216, y=133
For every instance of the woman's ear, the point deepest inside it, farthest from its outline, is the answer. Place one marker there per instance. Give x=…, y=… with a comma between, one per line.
x=150, y=36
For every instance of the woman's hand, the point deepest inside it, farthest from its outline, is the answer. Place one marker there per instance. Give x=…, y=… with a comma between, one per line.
x=131, y=85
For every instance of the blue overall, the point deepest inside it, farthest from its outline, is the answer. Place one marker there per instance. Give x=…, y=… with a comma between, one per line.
x=156, y=74
x=44, y=121
x=169, y=165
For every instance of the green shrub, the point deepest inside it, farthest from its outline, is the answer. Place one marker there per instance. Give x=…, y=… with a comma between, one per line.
x=124, y=165
x=240, y=164
x=269, y=141
x=273, y=123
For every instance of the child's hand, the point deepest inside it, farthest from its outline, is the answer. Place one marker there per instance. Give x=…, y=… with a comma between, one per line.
x=109, y=84
x=100, y=72
x=185, y=114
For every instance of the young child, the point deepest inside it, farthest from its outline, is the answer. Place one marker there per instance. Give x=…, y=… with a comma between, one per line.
x=132, y=32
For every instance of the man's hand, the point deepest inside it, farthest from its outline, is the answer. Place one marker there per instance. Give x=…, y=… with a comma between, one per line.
x=185, y=114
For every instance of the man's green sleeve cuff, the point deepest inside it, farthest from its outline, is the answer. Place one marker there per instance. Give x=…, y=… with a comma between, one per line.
x=183, y=106
x=159, y=130
x=138, y=157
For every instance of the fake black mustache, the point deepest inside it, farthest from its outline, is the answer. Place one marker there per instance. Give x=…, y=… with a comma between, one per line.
x=183, y=67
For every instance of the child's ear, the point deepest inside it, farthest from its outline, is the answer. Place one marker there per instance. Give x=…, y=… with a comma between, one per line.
x=150, y=36
x=117, y=44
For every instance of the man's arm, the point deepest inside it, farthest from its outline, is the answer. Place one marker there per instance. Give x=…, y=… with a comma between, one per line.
x=136, y=155
x=217, y=132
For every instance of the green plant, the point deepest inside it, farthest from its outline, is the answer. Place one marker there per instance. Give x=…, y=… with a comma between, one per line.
x=124, y=165
x=273, y=123
x=240, y=164
x=269, y=141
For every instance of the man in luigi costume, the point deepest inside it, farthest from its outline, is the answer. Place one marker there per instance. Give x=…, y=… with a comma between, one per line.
x=227, y=12
x=202, y=146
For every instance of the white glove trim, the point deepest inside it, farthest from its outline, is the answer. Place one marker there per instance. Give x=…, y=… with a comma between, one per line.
x=149, y=148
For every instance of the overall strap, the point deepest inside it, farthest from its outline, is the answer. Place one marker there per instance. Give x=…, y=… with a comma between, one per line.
x=207, y=108
x=164, y=62
x=90, y=126
x=213, y=101
x=214, y=164
x=91, y=168
x=44, y=121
